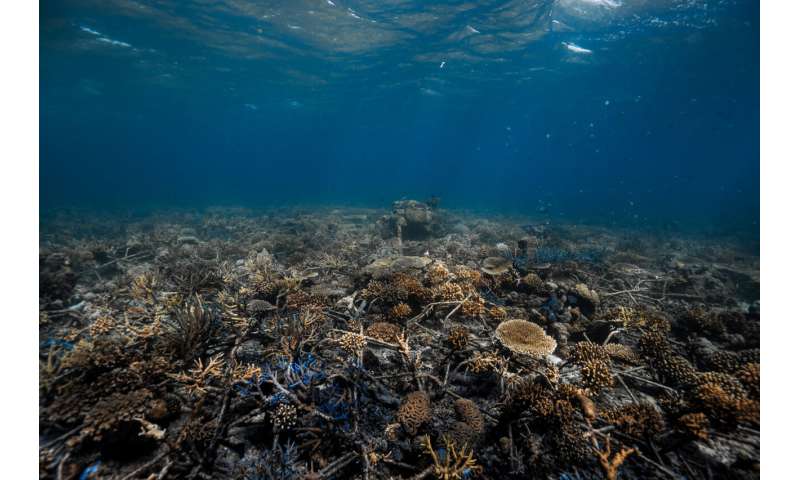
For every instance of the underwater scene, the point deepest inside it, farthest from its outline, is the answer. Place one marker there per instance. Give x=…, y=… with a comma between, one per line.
x=399, y=239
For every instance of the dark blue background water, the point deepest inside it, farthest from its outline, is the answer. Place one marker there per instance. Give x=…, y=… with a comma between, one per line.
x=201, y=103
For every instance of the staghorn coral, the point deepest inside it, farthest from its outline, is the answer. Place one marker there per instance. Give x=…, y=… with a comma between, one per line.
x=145, y=286
x=454, y=463
x=610, y=464
x=523, y=337
x=384, y=331
x=277, y=463
x=414, y=412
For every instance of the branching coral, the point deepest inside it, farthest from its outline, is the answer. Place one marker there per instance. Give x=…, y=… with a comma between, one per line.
x=473, y=307
x=610, y=464
x=458, y=337
x=353, y=343
x=384, y=331
x=584, y=352
x=750, y=376
x=730, y=362
x=486, y=362
x=453, y=463
x=640, y=420
x=437, y=273
x=498, y=313
x=467, y=276
x=533, y=283
x=400, y=311
x=447, y=292
x=694, y=424
x=189, y=330
x=725, y=402
x=203, y=376
x=523, y=337
x=110, y=412
x=596, y=375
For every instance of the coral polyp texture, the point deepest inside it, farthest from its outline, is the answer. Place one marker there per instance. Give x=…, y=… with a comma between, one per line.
x=291, y=344
x=524, y=337
x=414, y=412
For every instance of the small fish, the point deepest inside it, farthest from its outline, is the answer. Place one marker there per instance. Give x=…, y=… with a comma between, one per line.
x=576, y=49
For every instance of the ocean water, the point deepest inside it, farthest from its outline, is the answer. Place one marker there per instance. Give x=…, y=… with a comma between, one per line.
x=617, y=112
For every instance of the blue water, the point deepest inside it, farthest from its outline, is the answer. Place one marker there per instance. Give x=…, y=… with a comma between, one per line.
x=610, y=111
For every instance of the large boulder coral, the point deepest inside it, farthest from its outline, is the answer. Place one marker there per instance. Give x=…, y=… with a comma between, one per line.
x=412, y=219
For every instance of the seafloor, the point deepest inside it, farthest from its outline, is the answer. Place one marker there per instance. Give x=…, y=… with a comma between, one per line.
x=411, y=342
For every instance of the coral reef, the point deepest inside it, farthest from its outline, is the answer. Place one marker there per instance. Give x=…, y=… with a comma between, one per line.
x=523, y=337
x=422, y=343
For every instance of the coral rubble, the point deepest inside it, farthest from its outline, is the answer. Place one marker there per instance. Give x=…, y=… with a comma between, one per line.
x=418, y=343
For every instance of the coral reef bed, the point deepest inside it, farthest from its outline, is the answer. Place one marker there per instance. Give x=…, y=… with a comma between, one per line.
x=316, y=344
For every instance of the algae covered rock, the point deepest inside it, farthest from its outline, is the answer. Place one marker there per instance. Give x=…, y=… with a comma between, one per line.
x=387, y=266
x=412, y=219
